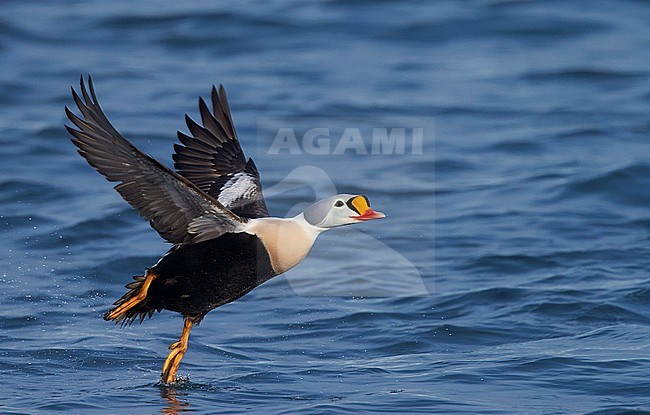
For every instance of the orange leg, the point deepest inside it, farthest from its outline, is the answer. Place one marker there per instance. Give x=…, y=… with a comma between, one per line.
x=118, y=312
x=178, y=350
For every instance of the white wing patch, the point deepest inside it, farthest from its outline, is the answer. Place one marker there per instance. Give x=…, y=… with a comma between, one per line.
x=240, y=186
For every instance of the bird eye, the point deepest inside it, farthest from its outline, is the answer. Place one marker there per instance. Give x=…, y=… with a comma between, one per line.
x=338, y=203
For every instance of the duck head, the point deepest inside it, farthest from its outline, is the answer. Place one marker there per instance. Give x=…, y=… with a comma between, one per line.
x=342, y=209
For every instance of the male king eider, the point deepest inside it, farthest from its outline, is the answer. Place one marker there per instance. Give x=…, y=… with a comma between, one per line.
x=211, y=208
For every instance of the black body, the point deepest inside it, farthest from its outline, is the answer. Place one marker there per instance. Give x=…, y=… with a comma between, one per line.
x=193, y=279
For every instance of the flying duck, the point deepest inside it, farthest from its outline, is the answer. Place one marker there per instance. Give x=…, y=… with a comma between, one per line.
x=211, y=209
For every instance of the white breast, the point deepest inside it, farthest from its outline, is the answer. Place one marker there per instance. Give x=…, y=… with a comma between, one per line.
x=287, y=241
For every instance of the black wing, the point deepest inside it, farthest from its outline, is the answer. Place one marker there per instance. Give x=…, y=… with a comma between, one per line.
x=176, y=208
x=213, y=160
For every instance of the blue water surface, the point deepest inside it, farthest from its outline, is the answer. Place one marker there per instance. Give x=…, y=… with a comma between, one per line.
x=510, y=276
